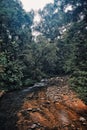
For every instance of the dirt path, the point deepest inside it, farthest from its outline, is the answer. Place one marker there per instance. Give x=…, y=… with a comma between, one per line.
x=53, y=107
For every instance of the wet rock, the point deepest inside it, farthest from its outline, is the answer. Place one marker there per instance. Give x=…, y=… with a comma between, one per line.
x=34, y=109
x=84, y=123
x=46, y=104
x=82, y=119
x=25, y=113
x=72, y=126
x=42, y=98
x=44, y=80
x=2, y=93
x=30, y=96
x=34, y=126
x=26, y=110
x=29, y=109
x=39, y=85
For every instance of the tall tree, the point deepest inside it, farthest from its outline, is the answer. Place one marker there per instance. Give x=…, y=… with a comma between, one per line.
x=65, y=22
x=14, y=23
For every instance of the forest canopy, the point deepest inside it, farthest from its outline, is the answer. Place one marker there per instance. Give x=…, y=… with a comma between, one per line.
x=59, y=49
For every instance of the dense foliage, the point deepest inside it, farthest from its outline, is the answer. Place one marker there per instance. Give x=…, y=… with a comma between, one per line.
x=14, y=24
x=65, y=23
x=60, y=49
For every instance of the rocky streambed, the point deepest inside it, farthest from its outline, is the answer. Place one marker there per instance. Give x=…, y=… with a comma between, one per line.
x=48, y=105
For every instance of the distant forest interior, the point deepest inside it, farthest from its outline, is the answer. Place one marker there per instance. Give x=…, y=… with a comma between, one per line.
x=54, y=46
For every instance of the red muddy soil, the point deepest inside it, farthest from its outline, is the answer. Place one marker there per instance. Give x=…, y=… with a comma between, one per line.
x=53, y=107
